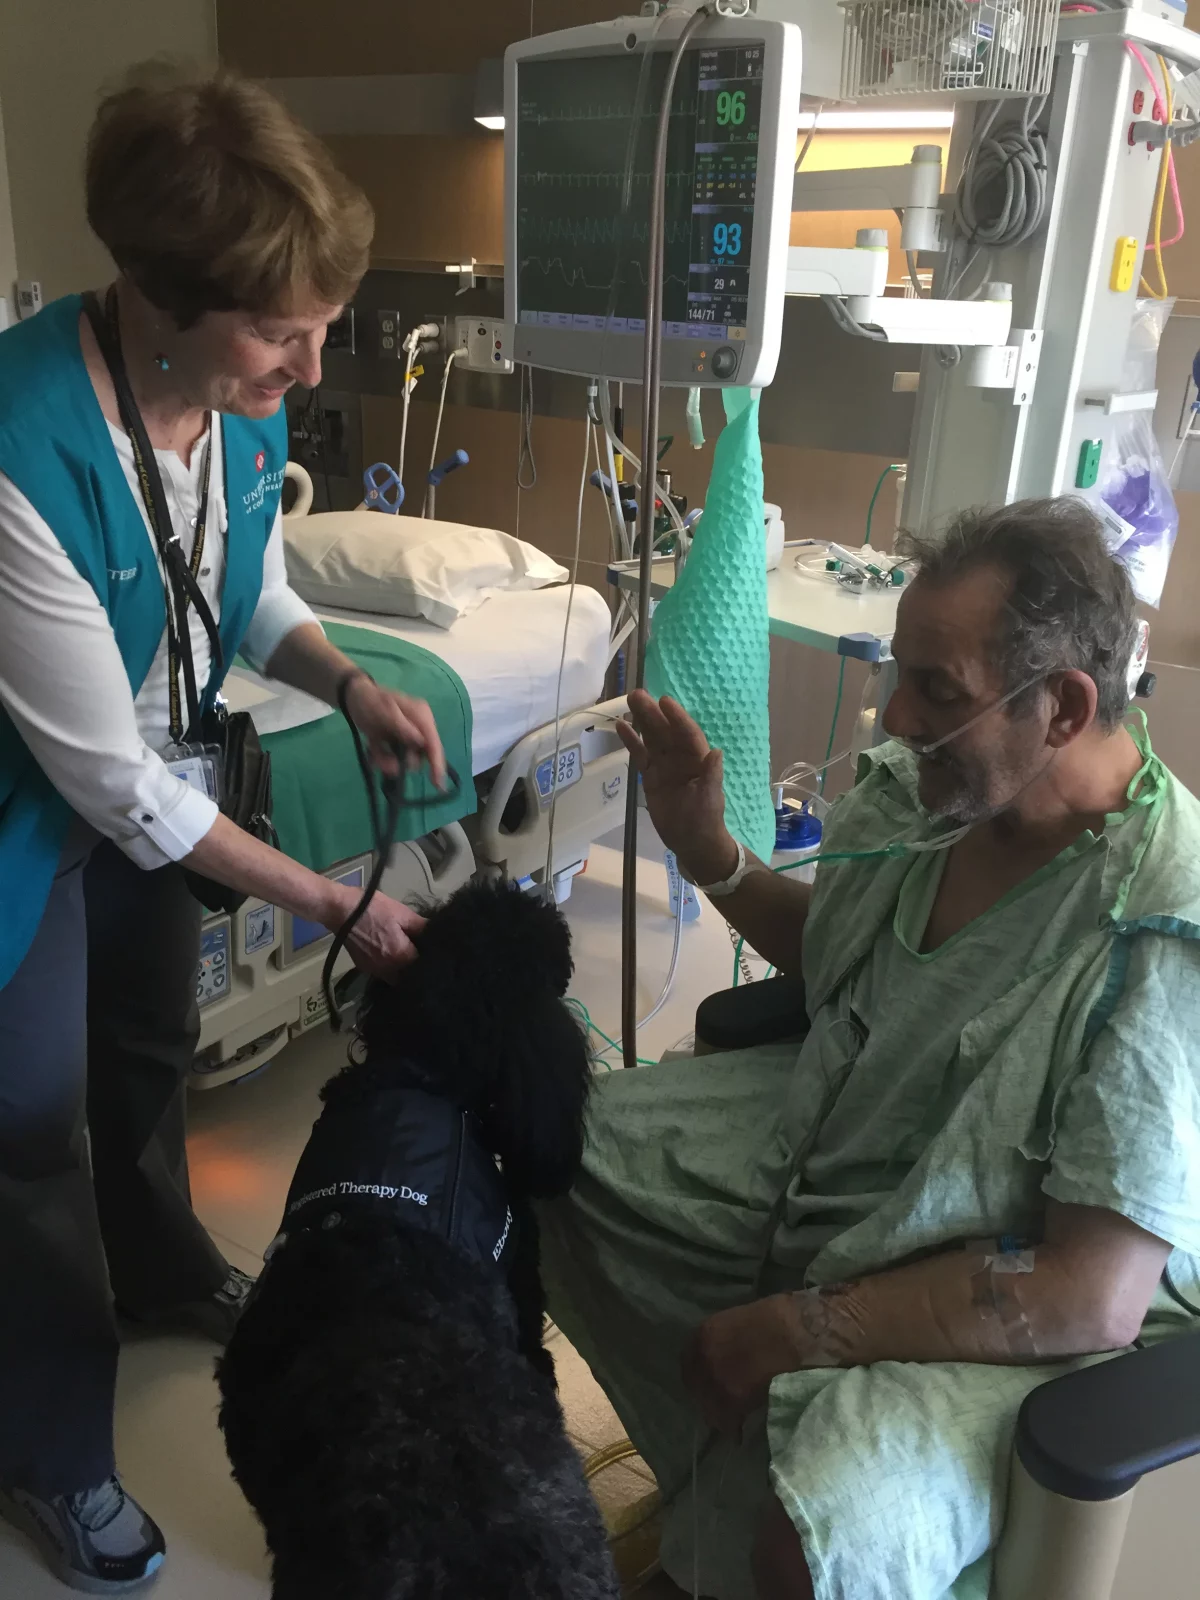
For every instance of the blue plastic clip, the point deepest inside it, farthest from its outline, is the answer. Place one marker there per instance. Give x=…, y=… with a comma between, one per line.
x=460, y=458
x=382, y=489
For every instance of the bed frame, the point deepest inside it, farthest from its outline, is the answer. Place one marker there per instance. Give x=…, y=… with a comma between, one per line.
x=259, y=984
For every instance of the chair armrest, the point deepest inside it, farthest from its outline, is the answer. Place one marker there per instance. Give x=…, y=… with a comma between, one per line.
x=755, y=1014
x=1093, y=1434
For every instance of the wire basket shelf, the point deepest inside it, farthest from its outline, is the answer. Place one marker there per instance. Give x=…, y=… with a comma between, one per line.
x=955, y=49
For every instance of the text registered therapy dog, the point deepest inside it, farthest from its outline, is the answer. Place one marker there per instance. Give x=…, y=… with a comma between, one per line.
x=388, y=1407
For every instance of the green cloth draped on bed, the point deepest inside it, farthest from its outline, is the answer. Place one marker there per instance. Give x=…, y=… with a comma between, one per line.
x=321, y=811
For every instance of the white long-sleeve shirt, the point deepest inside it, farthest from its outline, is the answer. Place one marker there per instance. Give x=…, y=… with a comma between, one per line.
x=64, y=684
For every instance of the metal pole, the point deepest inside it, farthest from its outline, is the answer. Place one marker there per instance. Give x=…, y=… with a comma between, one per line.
x=646, y=497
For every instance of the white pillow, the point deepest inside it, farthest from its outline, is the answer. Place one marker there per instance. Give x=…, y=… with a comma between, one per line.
x=407, y=566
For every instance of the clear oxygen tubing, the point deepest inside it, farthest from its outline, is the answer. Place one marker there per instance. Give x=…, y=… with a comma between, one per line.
x=650, y=408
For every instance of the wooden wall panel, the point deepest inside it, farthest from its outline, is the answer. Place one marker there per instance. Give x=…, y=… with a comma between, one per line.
x=309, y=38
x=436, y=199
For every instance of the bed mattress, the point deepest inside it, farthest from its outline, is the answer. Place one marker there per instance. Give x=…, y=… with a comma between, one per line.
x=507, y=653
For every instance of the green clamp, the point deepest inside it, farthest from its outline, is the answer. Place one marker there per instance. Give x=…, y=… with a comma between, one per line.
x=1089, y=463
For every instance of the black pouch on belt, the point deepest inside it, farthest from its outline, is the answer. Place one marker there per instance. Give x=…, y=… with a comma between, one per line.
x=244, y=767
x=245, y=795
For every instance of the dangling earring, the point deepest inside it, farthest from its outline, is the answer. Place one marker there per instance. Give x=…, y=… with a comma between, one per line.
x=161, y=362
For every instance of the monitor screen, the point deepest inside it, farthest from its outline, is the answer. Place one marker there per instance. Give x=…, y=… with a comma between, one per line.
x=582, y=240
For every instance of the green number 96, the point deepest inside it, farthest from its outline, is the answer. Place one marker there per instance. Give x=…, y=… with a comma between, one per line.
x=731, y=108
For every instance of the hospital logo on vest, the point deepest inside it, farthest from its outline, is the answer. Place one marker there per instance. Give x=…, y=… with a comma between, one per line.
x=269, y=483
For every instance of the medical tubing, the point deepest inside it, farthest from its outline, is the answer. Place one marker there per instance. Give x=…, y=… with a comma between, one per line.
x=883, y=477
x=668, y=504
x=812, y=133
x=648, y=487
x=525, y=449
x=451, y=358
x=837, y=706
x=614, y=491
x=548, y=882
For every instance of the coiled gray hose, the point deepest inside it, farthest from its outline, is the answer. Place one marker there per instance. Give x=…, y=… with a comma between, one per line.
x=1002, y=197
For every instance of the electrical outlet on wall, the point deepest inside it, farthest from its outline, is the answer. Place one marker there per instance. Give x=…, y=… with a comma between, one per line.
x=391, y=335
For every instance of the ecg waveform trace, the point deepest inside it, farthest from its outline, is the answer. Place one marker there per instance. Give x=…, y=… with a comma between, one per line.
x=530, y=117
x=578, y=231
x=575, y=276
x=599, y=180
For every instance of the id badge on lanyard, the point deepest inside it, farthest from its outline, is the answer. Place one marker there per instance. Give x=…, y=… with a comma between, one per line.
x=199, y=765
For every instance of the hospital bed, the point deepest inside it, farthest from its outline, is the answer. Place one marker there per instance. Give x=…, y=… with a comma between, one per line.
x=260, y=975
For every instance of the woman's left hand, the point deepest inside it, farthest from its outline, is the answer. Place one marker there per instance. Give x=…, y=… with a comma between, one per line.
x=385, y=717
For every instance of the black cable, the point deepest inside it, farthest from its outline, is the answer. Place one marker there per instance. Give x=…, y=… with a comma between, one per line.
x=383, y=831
x=525, y=454
x=1179, y=1299
x=859, y=330
x=316, y=396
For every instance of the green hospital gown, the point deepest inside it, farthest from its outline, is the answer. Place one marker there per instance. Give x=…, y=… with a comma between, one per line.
x=1048, y=1048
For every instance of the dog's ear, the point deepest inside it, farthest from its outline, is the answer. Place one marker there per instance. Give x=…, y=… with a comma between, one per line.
x=543, y=1076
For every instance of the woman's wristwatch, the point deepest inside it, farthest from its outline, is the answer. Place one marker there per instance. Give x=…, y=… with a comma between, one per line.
x=727, y=886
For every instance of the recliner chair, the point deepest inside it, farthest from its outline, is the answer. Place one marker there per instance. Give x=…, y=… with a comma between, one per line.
x=1084, y=1442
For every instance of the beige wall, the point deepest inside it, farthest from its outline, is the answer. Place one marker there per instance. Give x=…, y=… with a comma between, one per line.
x=55, y=58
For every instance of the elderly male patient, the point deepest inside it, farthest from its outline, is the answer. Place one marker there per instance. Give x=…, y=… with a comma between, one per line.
x=821, y=1283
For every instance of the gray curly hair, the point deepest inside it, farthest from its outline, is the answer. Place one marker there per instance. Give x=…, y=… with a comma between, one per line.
x=1069, y=606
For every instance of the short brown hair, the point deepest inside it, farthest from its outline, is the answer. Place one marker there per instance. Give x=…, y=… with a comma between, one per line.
x=210, y=196
x=1070, y=603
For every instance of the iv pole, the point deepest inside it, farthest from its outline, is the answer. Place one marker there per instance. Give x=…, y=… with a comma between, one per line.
x=647, y=493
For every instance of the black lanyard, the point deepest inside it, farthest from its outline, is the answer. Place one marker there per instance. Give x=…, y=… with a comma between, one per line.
x=180, y=576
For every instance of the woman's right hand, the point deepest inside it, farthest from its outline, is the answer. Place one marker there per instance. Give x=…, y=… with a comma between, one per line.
x=380, y=942
x=682, y=780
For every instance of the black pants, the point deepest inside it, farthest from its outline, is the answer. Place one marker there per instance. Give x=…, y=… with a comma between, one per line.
x=97, y=1029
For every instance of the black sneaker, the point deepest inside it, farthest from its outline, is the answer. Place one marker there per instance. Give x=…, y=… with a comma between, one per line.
x=100, y=1541
x=214, y=1318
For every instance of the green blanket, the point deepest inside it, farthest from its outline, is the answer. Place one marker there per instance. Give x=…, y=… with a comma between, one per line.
x=321, y=811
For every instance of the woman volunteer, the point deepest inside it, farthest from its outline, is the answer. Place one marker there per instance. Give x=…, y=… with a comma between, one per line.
x=236, y=243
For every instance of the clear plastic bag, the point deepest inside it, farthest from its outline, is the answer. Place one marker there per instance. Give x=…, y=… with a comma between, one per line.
x=1132, y=496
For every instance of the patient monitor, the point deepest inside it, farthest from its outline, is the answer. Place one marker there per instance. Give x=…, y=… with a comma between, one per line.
x=580, y=112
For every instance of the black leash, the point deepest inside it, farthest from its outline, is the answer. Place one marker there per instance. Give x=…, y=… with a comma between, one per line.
x=383, y=831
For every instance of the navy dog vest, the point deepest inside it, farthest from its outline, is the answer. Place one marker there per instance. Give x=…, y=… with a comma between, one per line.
x=412, y=1152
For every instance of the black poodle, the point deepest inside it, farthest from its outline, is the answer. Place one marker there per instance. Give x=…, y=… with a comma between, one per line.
x=388, y=1407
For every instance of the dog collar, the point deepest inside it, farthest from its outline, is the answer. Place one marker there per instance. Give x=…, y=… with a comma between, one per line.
x=414, y=1153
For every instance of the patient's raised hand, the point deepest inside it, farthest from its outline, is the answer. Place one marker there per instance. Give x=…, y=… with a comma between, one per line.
x=682, y=779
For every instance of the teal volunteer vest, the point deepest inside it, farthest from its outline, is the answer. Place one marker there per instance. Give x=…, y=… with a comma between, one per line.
x=55, y=447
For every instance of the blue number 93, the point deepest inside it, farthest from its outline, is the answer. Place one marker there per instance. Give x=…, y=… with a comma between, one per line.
x=727, y=239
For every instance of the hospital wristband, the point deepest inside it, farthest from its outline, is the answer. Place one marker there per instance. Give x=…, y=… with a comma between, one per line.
x=718, y=891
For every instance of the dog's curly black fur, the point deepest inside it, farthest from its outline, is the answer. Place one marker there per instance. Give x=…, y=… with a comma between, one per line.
x=387, y=1405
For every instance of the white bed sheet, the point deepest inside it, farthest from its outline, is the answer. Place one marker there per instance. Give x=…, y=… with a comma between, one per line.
x=506, y=652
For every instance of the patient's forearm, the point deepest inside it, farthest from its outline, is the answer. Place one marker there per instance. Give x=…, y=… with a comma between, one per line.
x=962, y=1306
x=769, y=910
